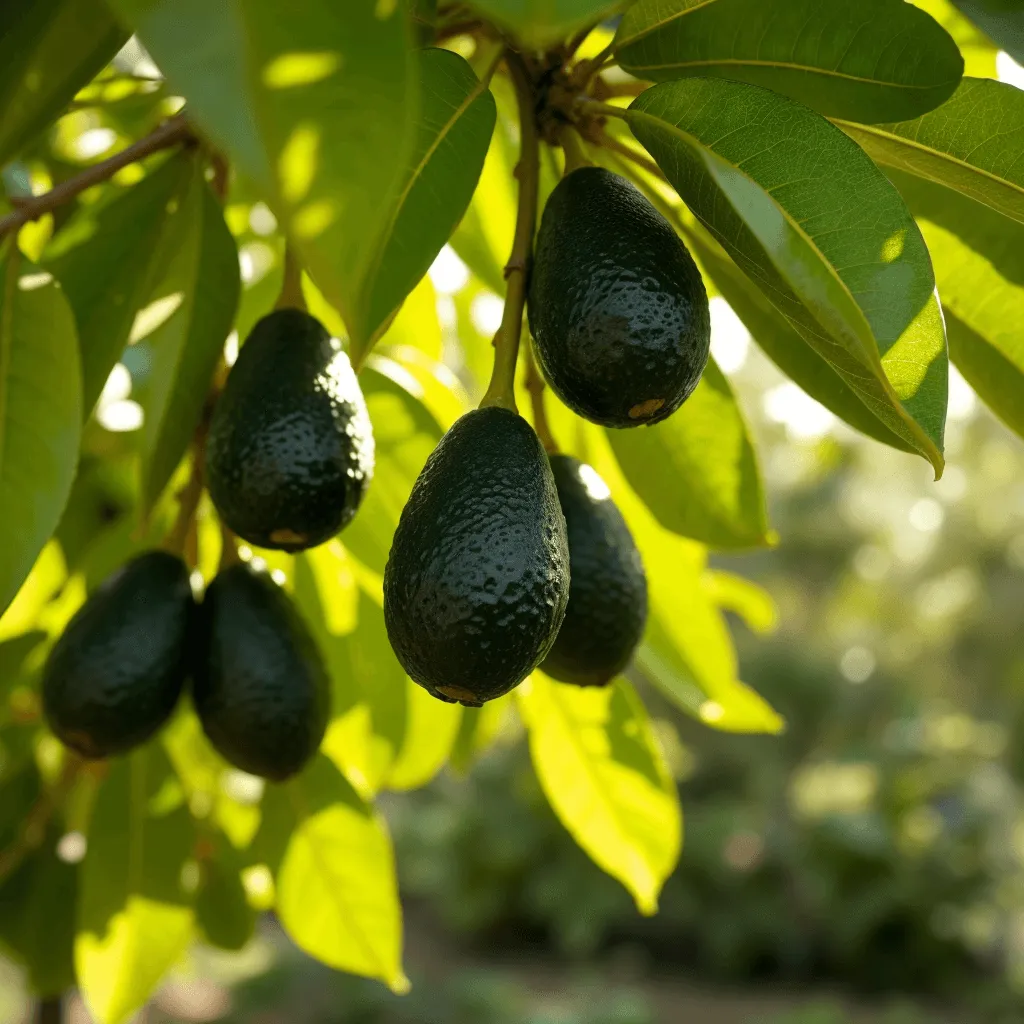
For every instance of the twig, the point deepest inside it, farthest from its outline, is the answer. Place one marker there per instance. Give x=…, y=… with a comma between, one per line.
x=534, y=383
x=501, y=390
x=572, y=147
x=170, y=133
x=594, y=107
x=50, y=1011
x=608, y=142
x=577, y=40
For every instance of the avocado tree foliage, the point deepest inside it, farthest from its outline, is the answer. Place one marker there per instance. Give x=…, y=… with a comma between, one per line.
x=848, y=177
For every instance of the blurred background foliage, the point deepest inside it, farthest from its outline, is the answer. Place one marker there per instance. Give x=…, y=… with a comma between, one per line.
x=866, y=865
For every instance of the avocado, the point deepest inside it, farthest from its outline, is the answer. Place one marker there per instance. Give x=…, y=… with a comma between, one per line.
x=290, y=450
x=617, y=307
x=259, y=683
x=478, y=575
x=607, y=609
x=117, y=671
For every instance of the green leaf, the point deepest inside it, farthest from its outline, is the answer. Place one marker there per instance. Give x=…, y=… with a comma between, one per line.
x=40, y=413
x=742, y=597
x=106, y=258
x=973, y=144
x=977, y=49
x=697, y=471
x=810, y=219
x=1003, y=20
x=222, y=910
x=866, y=60
x=191, y=305
x=49, y=49
x=37, y=918
x=979, y=264
x=424, y=20
x=604, y=775
x=538, y=22
x=316, y=109
x=780, y=342
x=135, y=916
x=455, y=123
x=337, y=896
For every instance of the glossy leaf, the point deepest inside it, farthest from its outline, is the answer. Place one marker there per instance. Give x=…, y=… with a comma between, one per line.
x=456, y=119
x=742, y=597
x=1003, y=20
x=975, y=47
x=222, y=910
x=605, y=777
x=337, y=896
x=537, y=22
x=49, y=49
x=135, y=917
x=40, y=413
x=808, y=217
x=316, y=110
x=866, y=60
x=106, y=258
x=979, y=263
x=780, y=342
x=973, y=144
x=697, y=471
x=190, y=309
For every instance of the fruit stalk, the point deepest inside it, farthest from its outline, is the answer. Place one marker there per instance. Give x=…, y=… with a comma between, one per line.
x=501, y=390
x=50, y=1011
x=191, y=492
x=534, y=383
x=572, y=148
x=172, y=132
x=291, y=296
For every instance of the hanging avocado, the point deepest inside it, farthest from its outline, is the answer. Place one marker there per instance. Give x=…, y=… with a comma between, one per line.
x=290, y=450
x=617, y=306
x=607, y=609
x=478, y=576
x=259, y=682
x=117, y=671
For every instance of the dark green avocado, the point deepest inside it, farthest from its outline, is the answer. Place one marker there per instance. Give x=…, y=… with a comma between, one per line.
x=607, y=609
x=478, y=576
x=290, y=450
x=116, y=673
x=259, y=683
x=617, y=306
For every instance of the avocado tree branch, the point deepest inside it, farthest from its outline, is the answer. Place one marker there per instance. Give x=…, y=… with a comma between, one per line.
x=172, y=132
x=534, y=383
x=501, y=390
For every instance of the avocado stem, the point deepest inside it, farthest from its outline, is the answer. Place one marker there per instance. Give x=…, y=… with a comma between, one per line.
x=501, y=390
x=534, y=384
x=291, y=296
x=572, y=147
x=177, y=540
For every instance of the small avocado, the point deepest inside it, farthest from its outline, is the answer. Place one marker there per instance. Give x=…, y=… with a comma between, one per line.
x=604, y=620
x=117, y=671
x=617, y=306
x=259, y=683
x=290, y=450
x=478, y=576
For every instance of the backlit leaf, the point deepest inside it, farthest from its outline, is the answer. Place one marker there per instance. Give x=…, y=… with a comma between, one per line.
x=866, y=60
x=807, y=217
x=337, y=896
x=697, y=471
x=544, y=21
x=40, y=413
x=605, y=776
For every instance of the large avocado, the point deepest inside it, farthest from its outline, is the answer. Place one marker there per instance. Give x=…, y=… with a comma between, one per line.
x=259, y=683
x=478, y=576
x=290, y=451
x=115, y=675
x=617, y=306
x=604, y=619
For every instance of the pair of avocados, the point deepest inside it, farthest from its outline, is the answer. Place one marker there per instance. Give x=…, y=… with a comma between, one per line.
x=506, y=559
x=259, y=685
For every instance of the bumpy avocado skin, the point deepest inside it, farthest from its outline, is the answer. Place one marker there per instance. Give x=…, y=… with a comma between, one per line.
x=290, y=450
x=607, y=609
x=117, y=671
x=617, y=307
x=259, y=684
x=478, y=576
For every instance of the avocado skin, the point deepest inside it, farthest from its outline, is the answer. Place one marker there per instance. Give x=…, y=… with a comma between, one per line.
x=617, y=307
x=607, y=610
x=290, y=450
x=478, y=577
x=117, y=671
x=259, y=684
